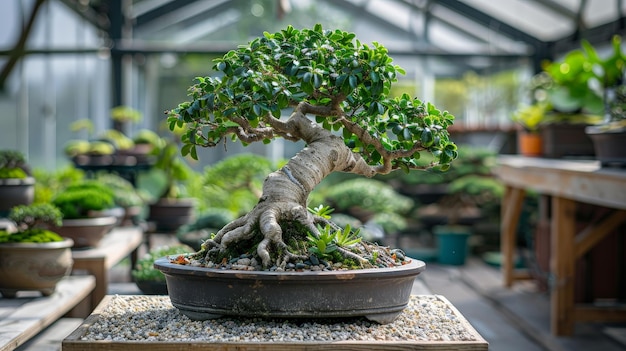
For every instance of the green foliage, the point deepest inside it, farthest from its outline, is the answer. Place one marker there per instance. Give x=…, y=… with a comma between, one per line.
x=323, y=68
x=34, y=235
x=234, y=183
x=125, y=114
x=166, y=178
x=577, y=82
x=367, y=194
x=12, y=164
x=531, y=116
x=77, y=200
x=29, y=216
x=330, y=239
x=49, y=183
x=321, y=211
x=124, y=193
x=144, y=269
x=324, y=244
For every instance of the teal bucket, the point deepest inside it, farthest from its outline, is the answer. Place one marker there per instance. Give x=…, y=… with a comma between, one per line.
x=452, y=244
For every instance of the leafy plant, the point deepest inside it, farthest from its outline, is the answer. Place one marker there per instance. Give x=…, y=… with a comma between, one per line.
x=13, y=164
x=78, y=200
x=29, y=220
x=337, y=93
x=324, y=244
x=144, y=269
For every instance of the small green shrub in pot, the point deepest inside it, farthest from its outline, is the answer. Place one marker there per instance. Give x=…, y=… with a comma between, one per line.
x=33, y=257
x=17, y=186
x=87, y=212
x=82, y=199
x=149, y=279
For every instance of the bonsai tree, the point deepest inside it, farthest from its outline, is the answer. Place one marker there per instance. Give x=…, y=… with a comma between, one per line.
x=82, y=199
x=335, y=89
x=30, y=221
x=13, y=165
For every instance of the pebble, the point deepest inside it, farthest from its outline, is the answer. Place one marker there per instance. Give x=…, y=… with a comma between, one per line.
x=153, y=318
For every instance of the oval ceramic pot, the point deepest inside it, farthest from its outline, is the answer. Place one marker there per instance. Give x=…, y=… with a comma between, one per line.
x=34, y=266
x=86, y=232
x=150, y=287
x=15, y=192
x=379, y=294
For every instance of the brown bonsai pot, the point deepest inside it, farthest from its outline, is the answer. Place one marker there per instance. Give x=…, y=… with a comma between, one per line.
x=86, y=232
x=379, y=294
x=34, y=266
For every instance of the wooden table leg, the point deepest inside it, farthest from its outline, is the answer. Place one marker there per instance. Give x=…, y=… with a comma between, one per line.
x=97, y=268
x=510, y=214
x=562, y=266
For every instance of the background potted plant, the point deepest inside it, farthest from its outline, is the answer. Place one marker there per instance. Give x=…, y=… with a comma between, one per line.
x=609, y=137
x=32, y=257
x=17, y=186
x=529, y=140
x=149, y=279
x=85, y=206
x=336, y=91
x=171, y=206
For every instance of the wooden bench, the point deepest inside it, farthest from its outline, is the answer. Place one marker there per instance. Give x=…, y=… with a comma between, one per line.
x=23, y=317
x=116, y=245
x=567, y=182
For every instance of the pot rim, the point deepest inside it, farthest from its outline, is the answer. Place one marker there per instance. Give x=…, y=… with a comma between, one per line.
x=91, y=221
x=17, y=181
x=412, y=268
x=66, y=243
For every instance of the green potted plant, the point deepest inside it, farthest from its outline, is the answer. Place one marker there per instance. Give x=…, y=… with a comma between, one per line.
x=609, y=137
x=32, y=257
x=87, y=212
x=529, y=140
x=149, y=279
x=125, y=196
x=171, y=205
x=17, y=186
x=335, y=91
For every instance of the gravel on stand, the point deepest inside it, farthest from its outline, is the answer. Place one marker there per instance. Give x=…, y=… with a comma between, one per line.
x=153, y=318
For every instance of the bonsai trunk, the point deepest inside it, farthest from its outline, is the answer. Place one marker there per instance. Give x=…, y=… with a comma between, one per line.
x=285, y=191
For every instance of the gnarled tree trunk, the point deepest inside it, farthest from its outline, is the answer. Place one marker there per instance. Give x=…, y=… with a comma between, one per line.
x=285, y=191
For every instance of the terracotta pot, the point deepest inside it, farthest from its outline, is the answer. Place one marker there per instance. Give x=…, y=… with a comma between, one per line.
x=379, y=294
x=14, y=191
x=34, y=266
x=529, y=144
x=86, y=232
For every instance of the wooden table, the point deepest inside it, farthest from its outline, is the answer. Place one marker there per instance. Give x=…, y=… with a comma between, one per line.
x=568, y=183
x=116, y=245
x=23, y=317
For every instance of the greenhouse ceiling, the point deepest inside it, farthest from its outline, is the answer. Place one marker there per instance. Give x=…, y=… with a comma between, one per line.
x=463, y=29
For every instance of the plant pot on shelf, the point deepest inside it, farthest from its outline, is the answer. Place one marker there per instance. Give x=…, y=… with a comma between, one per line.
x=86, y=232
x=16, y=191
x=452, y=244
x=34, y=266
x=610, y=147
x=566, y=140
x=379, y=294
x=170, y=214
x=529, y=143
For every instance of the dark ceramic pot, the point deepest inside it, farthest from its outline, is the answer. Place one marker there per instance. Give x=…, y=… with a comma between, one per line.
x=170, y=214
x=206, y=293
x=14, y=192
x=150, y=287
